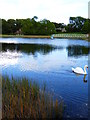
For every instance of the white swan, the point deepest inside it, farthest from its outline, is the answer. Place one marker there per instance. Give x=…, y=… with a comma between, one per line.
x=79, y=70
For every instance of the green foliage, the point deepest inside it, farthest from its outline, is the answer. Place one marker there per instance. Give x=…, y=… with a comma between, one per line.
x=23, y=99
x=47, y=27
x=28, y=26
x=75, y=24
x=44, y=27
x=59, y=26
x=86, y=26
x=5, y=27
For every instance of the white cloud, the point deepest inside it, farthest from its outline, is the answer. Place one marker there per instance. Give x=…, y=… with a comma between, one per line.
x=54, y=10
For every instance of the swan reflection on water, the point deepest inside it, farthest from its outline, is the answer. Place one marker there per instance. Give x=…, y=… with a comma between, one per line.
x=84, y=78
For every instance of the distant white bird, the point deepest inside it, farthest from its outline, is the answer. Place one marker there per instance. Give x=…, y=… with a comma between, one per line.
x=79, y=70
x=52, y=36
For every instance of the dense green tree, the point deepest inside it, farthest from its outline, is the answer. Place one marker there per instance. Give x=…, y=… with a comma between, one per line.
x=75, y=24
x=5, y=27
x=47, y=27
x=35, y=18
x=44, y=27
x=11, y=26
x=18, y=23
x=86, y=26
x=59, y=26
x=31, y=27
x=26, y=26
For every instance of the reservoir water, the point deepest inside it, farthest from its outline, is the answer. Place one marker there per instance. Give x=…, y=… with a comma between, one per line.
x=50, y=62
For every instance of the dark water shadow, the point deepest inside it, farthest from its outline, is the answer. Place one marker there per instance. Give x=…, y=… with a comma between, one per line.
x=84, y=78
x=77, y=50
x=30, y=48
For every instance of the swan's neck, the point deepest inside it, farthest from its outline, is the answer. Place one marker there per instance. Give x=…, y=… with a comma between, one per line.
x=85, y=70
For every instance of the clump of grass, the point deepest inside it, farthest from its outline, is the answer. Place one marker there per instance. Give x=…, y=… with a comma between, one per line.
x=23, y=99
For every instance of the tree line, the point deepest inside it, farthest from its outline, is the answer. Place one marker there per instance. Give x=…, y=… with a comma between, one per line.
x=76, y=25
x=31, y=26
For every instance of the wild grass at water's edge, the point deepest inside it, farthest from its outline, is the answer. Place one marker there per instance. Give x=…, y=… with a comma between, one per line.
x=23, y=99
x=61, y=35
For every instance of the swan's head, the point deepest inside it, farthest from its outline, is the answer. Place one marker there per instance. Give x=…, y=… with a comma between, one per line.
x=86, y=66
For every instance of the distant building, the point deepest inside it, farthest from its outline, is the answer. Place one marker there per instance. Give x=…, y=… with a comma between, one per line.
x=61, y=29
x=18, y=32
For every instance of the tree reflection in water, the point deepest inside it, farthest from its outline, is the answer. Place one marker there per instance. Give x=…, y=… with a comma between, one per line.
x=30, y=48
x=75, y=51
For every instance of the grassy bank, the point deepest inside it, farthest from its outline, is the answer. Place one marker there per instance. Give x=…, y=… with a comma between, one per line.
x=72, y=36
x=62, y=35
x=25, y=36
x=21, y=99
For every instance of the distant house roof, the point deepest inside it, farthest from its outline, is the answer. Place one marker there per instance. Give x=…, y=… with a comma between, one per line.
x=61, y=29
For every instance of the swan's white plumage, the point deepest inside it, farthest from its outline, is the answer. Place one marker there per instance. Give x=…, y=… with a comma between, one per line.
x=79, y=70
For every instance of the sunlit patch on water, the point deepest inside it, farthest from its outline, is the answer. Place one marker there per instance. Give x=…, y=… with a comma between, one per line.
x=8, y=41
x=9, y=58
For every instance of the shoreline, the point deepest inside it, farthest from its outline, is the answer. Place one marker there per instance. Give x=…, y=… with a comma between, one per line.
x=63, y=35
x=25, y=36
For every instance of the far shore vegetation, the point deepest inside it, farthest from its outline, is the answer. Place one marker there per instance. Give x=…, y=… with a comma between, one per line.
x=24, y=99
x=78, y=27
x=31, y=26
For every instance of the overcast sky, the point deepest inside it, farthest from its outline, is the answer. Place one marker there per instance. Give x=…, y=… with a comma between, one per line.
x=53, y=10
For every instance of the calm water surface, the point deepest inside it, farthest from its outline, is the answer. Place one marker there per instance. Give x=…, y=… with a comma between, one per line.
x=49, y=62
